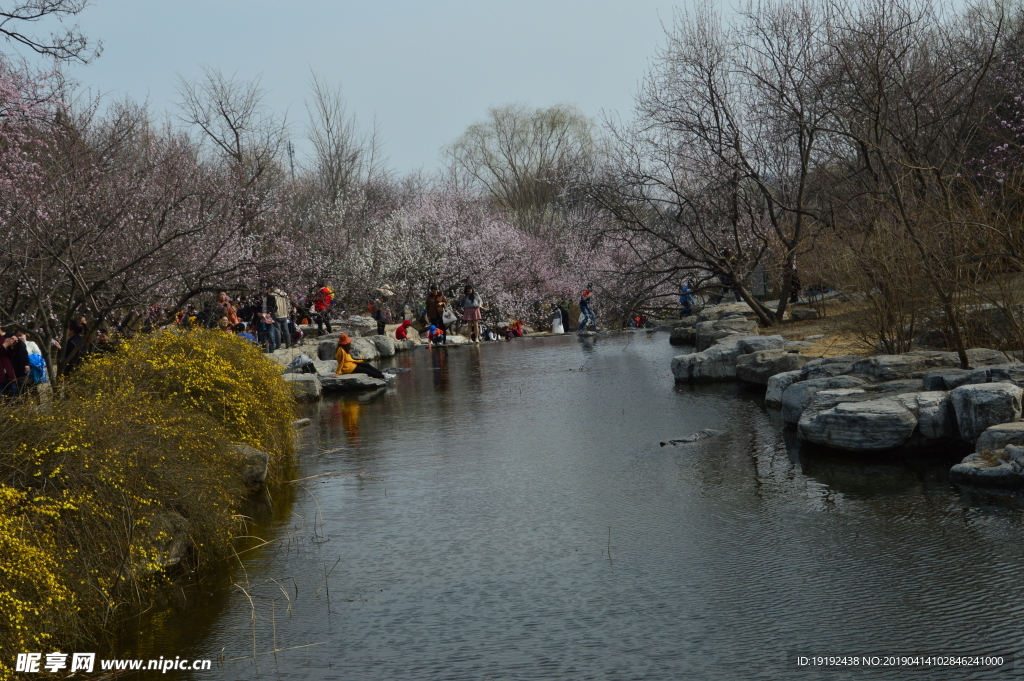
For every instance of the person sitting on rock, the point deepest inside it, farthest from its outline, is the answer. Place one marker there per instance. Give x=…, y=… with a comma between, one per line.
x=402, y=332
x=347, y=365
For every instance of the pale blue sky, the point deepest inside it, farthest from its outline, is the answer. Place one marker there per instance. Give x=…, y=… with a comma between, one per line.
x=426, y=70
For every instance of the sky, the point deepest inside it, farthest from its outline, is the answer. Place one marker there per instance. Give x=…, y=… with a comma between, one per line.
x=423, y=70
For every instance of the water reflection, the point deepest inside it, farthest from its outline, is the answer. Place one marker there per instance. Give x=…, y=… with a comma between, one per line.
x=539, y=531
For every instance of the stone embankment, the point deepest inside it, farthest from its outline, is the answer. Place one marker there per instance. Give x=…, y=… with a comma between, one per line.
x=868, y=404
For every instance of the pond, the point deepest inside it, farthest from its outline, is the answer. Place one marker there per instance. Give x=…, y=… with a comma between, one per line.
x=506, y=511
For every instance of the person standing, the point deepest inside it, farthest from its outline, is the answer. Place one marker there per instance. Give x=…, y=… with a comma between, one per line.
x=347, y=365
x=280, y=306
x=471, y=304
x=587, y=313
x=381, y=313
x=322, y=309
x=436, y=305
x=8, y=357
x=75, y=346
x=685, y=300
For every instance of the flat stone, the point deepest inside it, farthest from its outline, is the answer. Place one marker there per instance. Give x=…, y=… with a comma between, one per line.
x=952, y=378
x=862, y=426
x=814, y=337
x=716, y=363
x=304, y=386
x=979, y=407
x=777, y=385
x=350, y=382
x=986, y=357
x=992, y=468
x=892, y=367
x=325, y=367
x=801, y=314
x=758, y=367
x=902, y=385
x=758, y=343
x=797, y=396
x=826, y=367
x=708, y=333
x=798, y=345
x=1000, y=373
x=1000, y=435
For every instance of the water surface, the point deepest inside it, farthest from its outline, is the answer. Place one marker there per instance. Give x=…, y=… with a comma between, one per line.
x=507, y=512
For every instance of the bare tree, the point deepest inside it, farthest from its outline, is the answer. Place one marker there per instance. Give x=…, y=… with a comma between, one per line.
x=731, y=130
x=67, y=44
x=523, y=158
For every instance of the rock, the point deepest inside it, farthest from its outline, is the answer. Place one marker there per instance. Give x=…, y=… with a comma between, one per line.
x=826, y=399
x=758, y=367
x=364, y=348
x=814, y=337
x=301, y=423
x=777, y=385
x=350, y=382
x=980, y=406
x=985, y=357
x=715, y=363
x=325, y=367
x=798, y=345
x=1000, y=373
x=1000, y=435
x=255, y=464
x=936, y=419
x=951, y=378
x=696, y=437
x=456, y=339
x=826, y=367
x=802, y=314
x=757, y=343
x=385, y=345
x=708, y=333
x=903, y=385
x=991, y=468
x=891, y=367
x=166, y=533
x=326, y=349
x=716, y=312
x=797, y=396
x=862, y=426
x=407, y=344
x=304, y=386
x=683, y=335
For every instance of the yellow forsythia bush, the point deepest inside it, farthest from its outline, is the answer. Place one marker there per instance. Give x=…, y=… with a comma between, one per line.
x=93, y=491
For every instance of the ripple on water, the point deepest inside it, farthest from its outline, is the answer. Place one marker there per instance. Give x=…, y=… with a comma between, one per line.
x=476, y=543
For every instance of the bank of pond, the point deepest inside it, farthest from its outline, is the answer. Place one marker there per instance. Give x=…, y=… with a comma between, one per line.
x=921, y=400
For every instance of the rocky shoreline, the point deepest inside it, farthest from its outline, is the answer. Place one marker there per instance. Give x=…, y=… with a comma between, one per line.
x=871, y=404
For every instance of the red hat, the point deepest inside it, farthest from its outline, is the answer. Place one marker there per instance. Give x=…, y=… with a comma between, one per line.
x=343, y=339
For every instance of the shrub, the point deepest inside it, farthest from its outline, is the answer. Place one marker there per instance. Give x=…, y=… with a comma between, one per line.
x=133, y=459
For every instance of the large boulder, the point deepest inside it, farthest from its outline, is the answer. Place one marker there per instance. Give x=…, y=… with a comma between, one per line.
x=892, y=367
x=326, y=349
x=1000, y=373
x=797, y=396
x=777, y=385
x=758, y=343
x=758, y=367
x=325, y=367
x=826, y=367
x=683, y=335
x=385, y=345
x=254, y=464
x=991, y=468
x=936, y=419
x=980, y=406
x=350, y=383
x=952, y=378
x=861, y=426
x=305, y=387
x=364, y=348
x=715, y=363
x=1000, y=435
x=709, y=333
